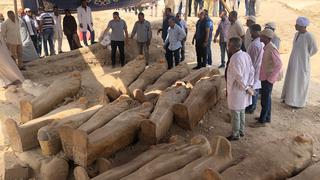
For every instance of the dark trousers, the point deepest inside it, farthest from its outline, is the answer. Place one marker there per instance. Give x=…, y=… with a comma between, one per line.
x=223, y=50
x=169, y=56
x=266, y=90
x=34, y=39
x=84, y=35
x=190, y=7
x=197, y=4
x=209, y=54
x=114, y=46
x=201, y=55
x=253, y=106
x=183, y=48
x=39, y=38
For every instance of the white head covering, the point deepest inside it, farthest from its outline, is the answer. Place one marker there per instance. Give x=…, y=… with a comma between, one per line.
x=270, y=25
x=303, y=21
x=27, y=9
x=267, y=32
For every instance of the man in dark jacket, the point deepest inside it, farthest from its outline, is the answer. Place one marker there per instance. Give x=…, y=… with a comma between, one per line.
x=165, y=24
x=70, y=30
x=202, y=39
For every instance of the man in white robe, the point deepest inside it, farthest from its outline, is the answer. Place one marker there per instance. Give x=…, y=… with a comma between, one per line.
x=9, y=71
x=58, y=32
x=240, y=80
x=295, y=89
x=85, y=21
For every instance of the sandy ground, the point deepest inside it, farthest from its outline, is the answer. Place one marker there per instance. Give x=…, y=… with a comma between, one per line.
x=286, y=122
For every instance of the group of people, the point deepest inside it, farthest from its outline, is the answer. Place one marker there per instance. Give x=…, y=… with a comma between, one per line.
x=252, y=7
x=254, y=70
x=27, y=33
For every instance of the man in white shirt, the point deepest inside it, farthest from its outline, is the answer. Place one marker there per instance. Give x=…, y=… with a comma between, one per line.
x=32, y=26
x=184, y=26
x=119, y=29
x=58, y=32
x=85, y=21
x=172, y=43
x=239, y=86
x=255, y=50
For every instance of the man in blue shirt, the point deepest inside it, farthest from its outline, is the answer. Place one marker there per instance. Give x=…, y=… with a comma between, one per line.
x=202, y=39
x=165, y=24
x=210, y=24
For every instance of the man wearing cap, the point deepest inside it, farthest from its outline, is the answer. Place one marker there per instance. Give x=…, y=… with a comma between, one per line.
x=255, y=50
x=222, y=32
x=247, y=38
x=239, y=86
x=295, y=89
x=269, y=73
x=275, y=40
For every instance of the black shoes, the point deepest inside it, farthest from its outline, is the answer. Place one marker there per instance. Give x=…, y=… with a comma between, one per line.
x=233, y=138
x=197, y=67
x=221, y=66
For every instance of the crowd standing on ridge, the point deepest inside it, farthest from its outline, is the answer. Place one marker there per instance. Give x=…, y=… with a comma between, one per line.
x=250, y=57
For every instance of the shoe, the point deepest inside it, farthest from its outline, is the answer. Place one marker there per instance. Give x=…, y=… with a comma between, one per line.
x=241, y=134
x=233, y=138
x=258, y=125
x=257, y=118
x=197, y=67
x=60, y=52
x=221, y=66
x=249, y=112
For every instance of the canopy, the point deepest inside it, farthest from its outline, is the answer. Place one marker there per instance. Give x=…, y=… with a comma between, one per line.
x=95, y=5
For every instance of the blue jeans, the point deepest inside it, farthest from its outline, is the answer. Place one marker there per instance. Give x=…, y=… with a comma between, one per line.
x=84, y=35
x=247, y=7
x=252, y=8
x=196, y=4
x=253, y=106
x=209, y=54
x=266, y=90
x=48, y=35
x=223, y=50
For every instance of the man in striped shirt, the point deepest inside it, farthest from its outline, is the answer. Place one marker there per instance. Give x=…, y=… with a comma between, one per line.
x=46, y=27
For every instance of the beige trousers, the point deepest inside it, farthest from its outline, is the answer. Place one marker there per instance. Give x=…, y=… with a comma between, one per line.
x=16, y=53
